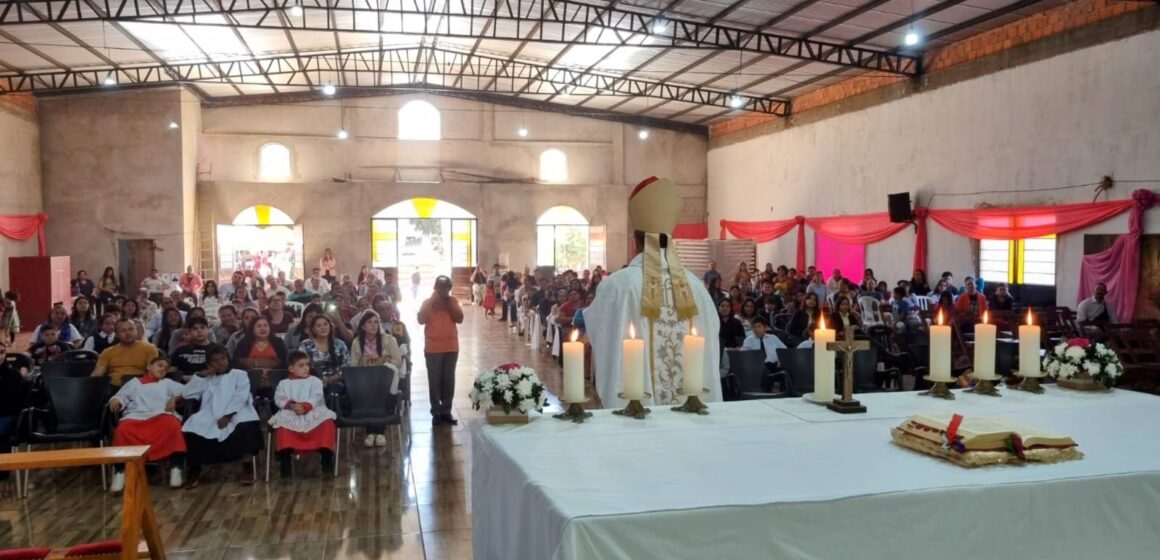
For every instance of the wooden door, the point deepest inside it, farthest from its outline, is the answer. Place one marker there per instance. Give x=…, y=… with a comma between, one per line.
x=136, y=262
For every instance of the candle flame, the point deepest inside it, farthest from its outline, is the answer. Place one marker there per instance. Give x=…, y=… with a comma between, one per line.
x=693, y=331
x=575, y=335
x=821, y=322
x=985, y=317
x=1030, y=317
x=940, y=317
x=631, y=330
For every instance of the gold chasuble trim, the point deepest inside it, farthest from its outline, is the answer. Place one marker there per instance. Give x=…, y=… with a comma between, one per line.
x=652, y=294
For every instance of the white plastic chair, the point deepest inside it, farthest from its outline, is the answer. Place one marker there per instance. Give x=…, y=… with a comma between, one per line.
x=871, y=316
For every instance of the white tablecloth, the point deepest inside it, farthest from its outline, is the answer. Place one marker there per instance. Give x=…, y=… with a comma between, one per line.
x=789, y=479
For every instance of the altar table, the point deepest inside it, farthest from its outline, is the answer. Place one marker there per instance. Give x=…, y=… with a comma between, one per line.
x=788, y=479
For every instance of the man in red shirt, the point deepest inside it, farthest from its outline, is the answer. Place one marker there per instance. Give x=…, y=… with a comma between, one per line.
x=439, y=316
x=971, y=300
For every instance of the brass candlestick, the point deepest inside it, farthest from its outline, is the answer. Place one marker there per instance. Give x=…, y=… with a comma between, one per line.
x=940, y=390
x=1029, y=384
x=984, y=386
x=574, y=412
x=693, y=404
x=634, y=408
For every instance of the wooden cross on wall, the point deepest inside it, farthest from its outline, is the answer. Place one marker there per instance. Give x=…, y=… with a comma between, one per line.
x=847, y=346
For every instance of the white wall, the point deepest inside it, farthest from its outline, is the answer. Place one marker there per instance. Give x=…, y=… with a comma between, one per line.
x=1066, y=120
x=20, y=191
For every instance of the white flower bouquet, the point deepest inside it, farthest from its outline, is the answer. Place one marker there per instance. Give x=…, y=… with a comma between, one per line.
x=1080, y=358
x=511, y=387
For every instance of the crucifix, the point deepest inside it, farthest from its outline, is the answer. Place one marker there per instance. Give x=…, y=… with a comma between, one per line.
x=847, y=346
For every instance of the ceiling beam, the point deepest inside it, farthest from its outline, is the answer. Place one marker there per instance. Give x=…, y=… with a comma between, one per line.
x=391, y=67
x=544, y=21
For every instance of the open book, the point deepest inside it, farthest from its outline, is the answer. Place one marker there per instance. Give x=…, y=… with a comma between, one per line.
x=982, y=441
x=980, y=433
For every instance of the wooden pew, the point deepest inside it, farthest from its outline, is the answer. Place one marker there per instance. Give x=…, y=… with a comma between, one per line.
x=138, y=520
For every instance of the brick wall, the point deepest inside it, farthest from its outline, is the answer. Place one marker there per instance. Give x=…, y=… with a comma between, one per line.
x=1019, y=32
x=23, y=101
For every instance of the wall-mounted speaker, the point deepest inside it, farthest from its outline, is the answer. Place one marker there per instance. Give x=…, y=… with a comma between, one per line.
x=900, y=207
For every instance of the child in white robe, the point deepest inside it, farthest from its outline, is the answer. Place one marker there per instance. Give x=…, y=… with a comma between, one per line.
x=226, y=428
x=148, y=405
x=303, y=423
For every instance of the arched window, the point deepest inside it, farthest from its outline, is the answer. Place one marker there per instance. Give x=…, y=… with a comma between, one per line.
x=562, y=239
x=262, y=215
x=419, y=120
x=274, y=162
x=553, y=166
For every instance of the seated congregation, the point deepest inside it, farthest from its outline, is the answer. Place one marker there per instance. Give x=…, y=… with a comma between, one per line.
x=194, y=372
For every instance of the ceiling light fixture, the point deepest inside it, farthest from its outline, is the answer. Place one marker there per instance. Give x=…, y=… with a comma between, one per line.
x=173, y=125
x=660, y=26
x=342, y=134
x=110, y=80
x=328, y=89
x=736, y=101
x=911, y=39
x=643, y=134
x=523, y=132
x=295, y=10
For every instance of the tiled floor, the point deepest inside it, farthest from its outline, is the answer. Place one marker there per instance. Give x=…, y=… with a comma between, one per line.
x=409, y=500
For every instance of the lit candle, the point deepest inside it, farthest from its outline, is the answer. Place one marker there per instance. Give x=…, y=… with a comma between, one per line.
x=694, y=370
x=940, y=351
x=985, y=350
x=823, y=362
x=632, y=363
x=1029, y=341
x=574, y=369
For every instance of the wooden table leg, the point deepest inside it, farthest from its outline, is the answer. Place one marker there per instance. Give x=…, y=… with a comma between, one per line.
x=149, y=526
x=131, y=511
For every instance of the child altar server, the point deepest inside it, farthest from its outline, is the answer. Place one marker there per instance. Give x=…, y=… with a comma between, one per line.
x=303, y=424
x=226, y=428
x=148, y=404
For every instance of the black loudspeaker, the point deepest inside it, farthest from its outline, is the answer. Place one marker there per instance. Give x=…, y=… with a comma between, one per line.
x=900, y=207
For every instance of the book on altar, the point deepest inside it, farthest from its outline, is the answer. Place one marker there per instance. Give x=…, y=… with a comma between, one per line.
x=976, y=441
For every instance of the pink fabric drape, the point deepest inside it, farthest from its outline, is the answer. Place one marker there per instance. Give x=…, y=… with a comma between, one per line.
x=24, y=227
x=762, y=232
x=829, y=254
x=1119, y=266
x=691, y=231
x=1028, y=221
x=856, y=228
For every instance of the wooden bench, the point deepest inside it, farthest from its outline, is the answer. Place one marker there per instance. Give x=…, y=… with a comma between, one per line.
x=138, y=520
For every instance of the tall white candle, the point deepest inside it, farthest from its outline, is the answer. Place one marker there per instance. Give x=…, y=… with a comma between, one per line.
x=632, y=364
x=940, y=351
x=574, y=370
x=694, y=364
x=985, y=350
x=1029, y=341
x=823, y=362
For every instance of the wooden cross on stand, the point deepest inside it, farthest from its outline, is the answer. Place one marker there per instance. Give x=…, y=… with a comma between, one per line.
x=847, y=346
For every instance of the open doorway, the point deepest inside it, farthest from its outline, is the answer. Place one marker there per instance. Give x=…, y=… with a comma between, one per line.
x=566, y=241
x=422, y=238
x=262, y=241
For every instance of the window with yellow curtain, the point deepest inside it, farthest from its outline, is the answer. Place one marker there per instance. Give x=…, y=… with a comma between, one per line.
x=1018, y=261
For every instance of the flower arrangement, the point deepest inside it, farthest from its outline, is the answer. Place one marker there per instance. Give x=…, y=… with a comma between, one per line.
x=511, y=387
x=1080, y=358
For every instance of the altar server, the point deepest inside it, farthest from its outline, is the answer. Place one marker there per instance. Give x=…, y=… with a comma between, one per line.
x=303, y=424
x=148, y=404
x=226, y=428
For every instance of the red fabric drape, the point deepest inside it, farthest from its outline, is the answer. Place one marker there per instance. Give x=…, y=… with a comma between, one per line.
x=1027, y=221
x=857, y=228
x=1119, y=266
x=691, y=231
x=920, y=238
x=24, y=227
x=850, y=258
x=762, y=232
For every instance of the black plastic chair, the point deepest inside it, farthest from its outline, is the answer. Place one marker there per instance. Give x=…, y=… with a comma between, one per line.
x=67, y=369
x=75, y=411
x=77, y=356
x=18, y=360
x=799, y=366
x=748, y=367
x=867, y=378
x=371, y=403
